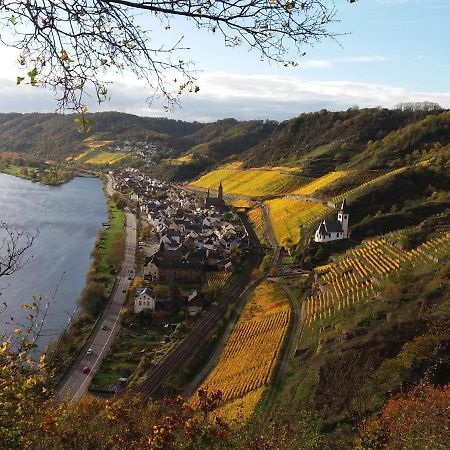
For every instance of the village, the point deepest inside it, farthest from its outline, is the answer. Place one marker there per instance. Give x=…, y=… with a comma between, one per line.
x=188, y=246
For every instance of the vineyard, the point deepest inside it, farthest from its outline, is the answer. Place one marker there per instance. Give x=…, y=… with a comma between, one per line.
x=355, y=276
x=240, y=203
x=319, y=183
x=286, y=216
x=363, y=186
x=249, y=357
x=255, y=215
x=252, y=182
x=105, y=158
x=217, y=280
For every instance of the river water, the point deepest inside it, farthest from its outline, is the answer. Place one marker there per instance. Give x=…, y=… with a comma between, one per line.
x=68, y=218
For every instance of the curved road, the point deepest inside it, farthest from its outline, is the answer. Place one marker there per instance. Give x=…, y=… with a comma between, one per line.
x=75, y=383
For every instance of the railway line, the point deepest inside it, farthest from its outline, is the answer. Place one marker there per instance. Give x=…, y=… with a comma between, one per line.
x=183, y=351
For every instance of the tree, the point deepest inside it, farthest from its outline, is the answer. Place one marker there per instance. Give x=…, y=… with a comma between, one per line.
x=117, y=251
x=416, y=420
x=68, y=45
x=14, y=244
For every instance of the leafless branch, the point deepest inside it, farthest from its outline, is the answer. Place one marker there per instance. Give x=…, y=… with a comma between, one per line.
x=67, y=45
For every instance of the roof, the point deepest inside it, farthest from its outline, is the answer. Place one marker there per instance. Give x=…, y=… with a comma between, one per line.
x=148, y=291
x=333, y=226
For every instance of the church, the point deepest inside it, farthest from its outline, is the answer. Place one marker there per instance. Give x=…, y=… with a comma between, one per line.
x=333, y=230
x=218, y=201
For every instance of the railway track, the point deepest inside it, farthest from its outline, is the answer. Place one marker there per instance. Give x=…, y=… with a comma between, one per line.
x=182, y=352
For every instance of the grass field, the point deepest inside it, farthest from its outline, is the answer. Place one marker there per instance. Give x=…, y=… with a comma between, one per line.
x=252, y=182
x=287, y=215
x=319, y=183
x=115, y=227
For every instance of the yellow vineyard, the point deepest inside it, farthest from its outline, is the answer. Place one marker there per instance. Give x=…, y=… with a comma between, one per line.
x=106, y=158
x=320, y=183
x=252, y=182
x=255, y=215
x=286, y=216
x=354, y=276
x=240, y=203
x=250, y=355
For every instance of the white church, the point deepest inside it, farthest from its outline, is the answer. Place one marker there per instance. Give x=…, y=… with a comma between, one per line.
x=333, y=230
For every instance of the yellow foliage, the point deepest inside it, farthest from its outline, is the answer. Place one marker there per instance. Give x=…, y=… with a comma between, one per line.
x=321, y=182
x=252, y=182
x=286, y=216
x=248, y=359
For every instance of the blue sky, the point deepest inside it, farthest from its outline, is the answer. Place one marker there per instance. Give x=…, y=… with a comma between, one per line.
x=395, y=50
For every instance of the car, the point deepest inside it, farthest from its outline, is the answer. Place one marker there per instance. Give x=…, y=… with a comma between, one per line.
x=130, y=278
x=86, y=369
x=103, y=327
x=124, y=290
x=89, y=352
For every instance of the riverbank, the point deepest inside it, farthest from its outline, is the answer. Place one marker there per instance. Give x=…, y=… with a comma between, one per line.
x=52, y=175
x=107, y=255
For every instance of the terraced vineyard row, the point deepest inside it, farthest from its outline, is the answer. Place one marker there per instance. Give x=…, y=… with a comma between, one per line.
x=319, y=183
x=354, y=276
x=362, y=186
x=252, y=182
x=287, y=215
x=217, y=280
x=256, y=217
x=248, y=360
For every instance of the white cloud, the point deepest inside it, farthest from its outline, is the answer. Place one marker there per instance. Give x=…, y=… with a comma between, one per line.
x=232, y=95
x=328, y=63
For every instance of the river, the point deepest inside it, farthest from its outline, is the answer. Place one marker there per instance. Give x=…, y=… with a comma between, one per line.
x=68, y=218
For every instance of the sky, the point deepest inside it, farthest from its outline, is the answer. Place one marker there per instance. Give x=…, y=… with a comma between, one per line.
x=388, y=51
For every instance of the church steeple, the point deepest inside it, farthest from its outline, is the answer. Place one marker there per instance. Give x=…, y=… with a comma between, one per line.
x=220, y=191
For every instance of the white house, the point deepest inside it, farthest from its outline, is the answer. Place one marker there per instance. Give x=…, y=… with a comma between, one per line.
x=333, y=230
x=145, y=300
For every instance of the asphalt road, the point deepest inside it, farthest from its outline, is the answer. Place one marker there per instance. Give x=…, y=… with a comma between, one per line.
x=75, y=383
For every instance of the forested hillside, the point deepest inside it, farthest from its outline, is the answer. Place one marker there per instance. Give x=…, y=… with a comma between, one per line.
x=316, y=143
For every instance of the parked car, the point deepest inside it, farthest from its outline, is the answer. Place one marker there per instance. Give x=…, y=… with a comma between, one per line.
x=86, y=369
x=89, y=352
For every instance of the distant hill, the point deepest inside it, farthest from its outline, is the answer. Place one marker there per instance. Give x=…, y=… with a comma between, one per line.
x=324, y=141
x=317, y=143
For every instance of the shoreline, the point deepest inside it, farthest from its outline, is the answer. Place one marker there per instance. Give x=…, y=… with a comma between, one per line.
x=73, y=338
x=15, y=171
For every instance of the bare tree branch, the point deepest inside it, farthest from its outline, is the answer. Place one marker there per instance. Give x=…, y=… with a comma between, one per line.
x=68, y=45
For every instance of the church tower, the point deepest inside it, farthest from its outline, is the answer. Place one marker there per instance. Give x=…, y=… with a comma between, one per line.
x=220, y=191
x=343, y=217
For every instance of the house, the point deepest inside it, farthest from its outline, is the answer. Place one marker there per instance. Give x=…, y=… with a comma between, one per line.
x=333, y=230
x=195, y=303
x=145, y=300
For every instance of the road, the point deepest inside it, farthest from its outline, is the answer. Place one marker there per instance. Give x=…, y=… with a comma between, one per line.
x=74, y=384
x=196, y=338
x=270, y=235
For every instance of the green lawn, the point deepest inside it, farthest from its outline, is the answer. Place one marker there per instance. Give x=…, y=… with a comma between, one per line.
x=116, y=226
